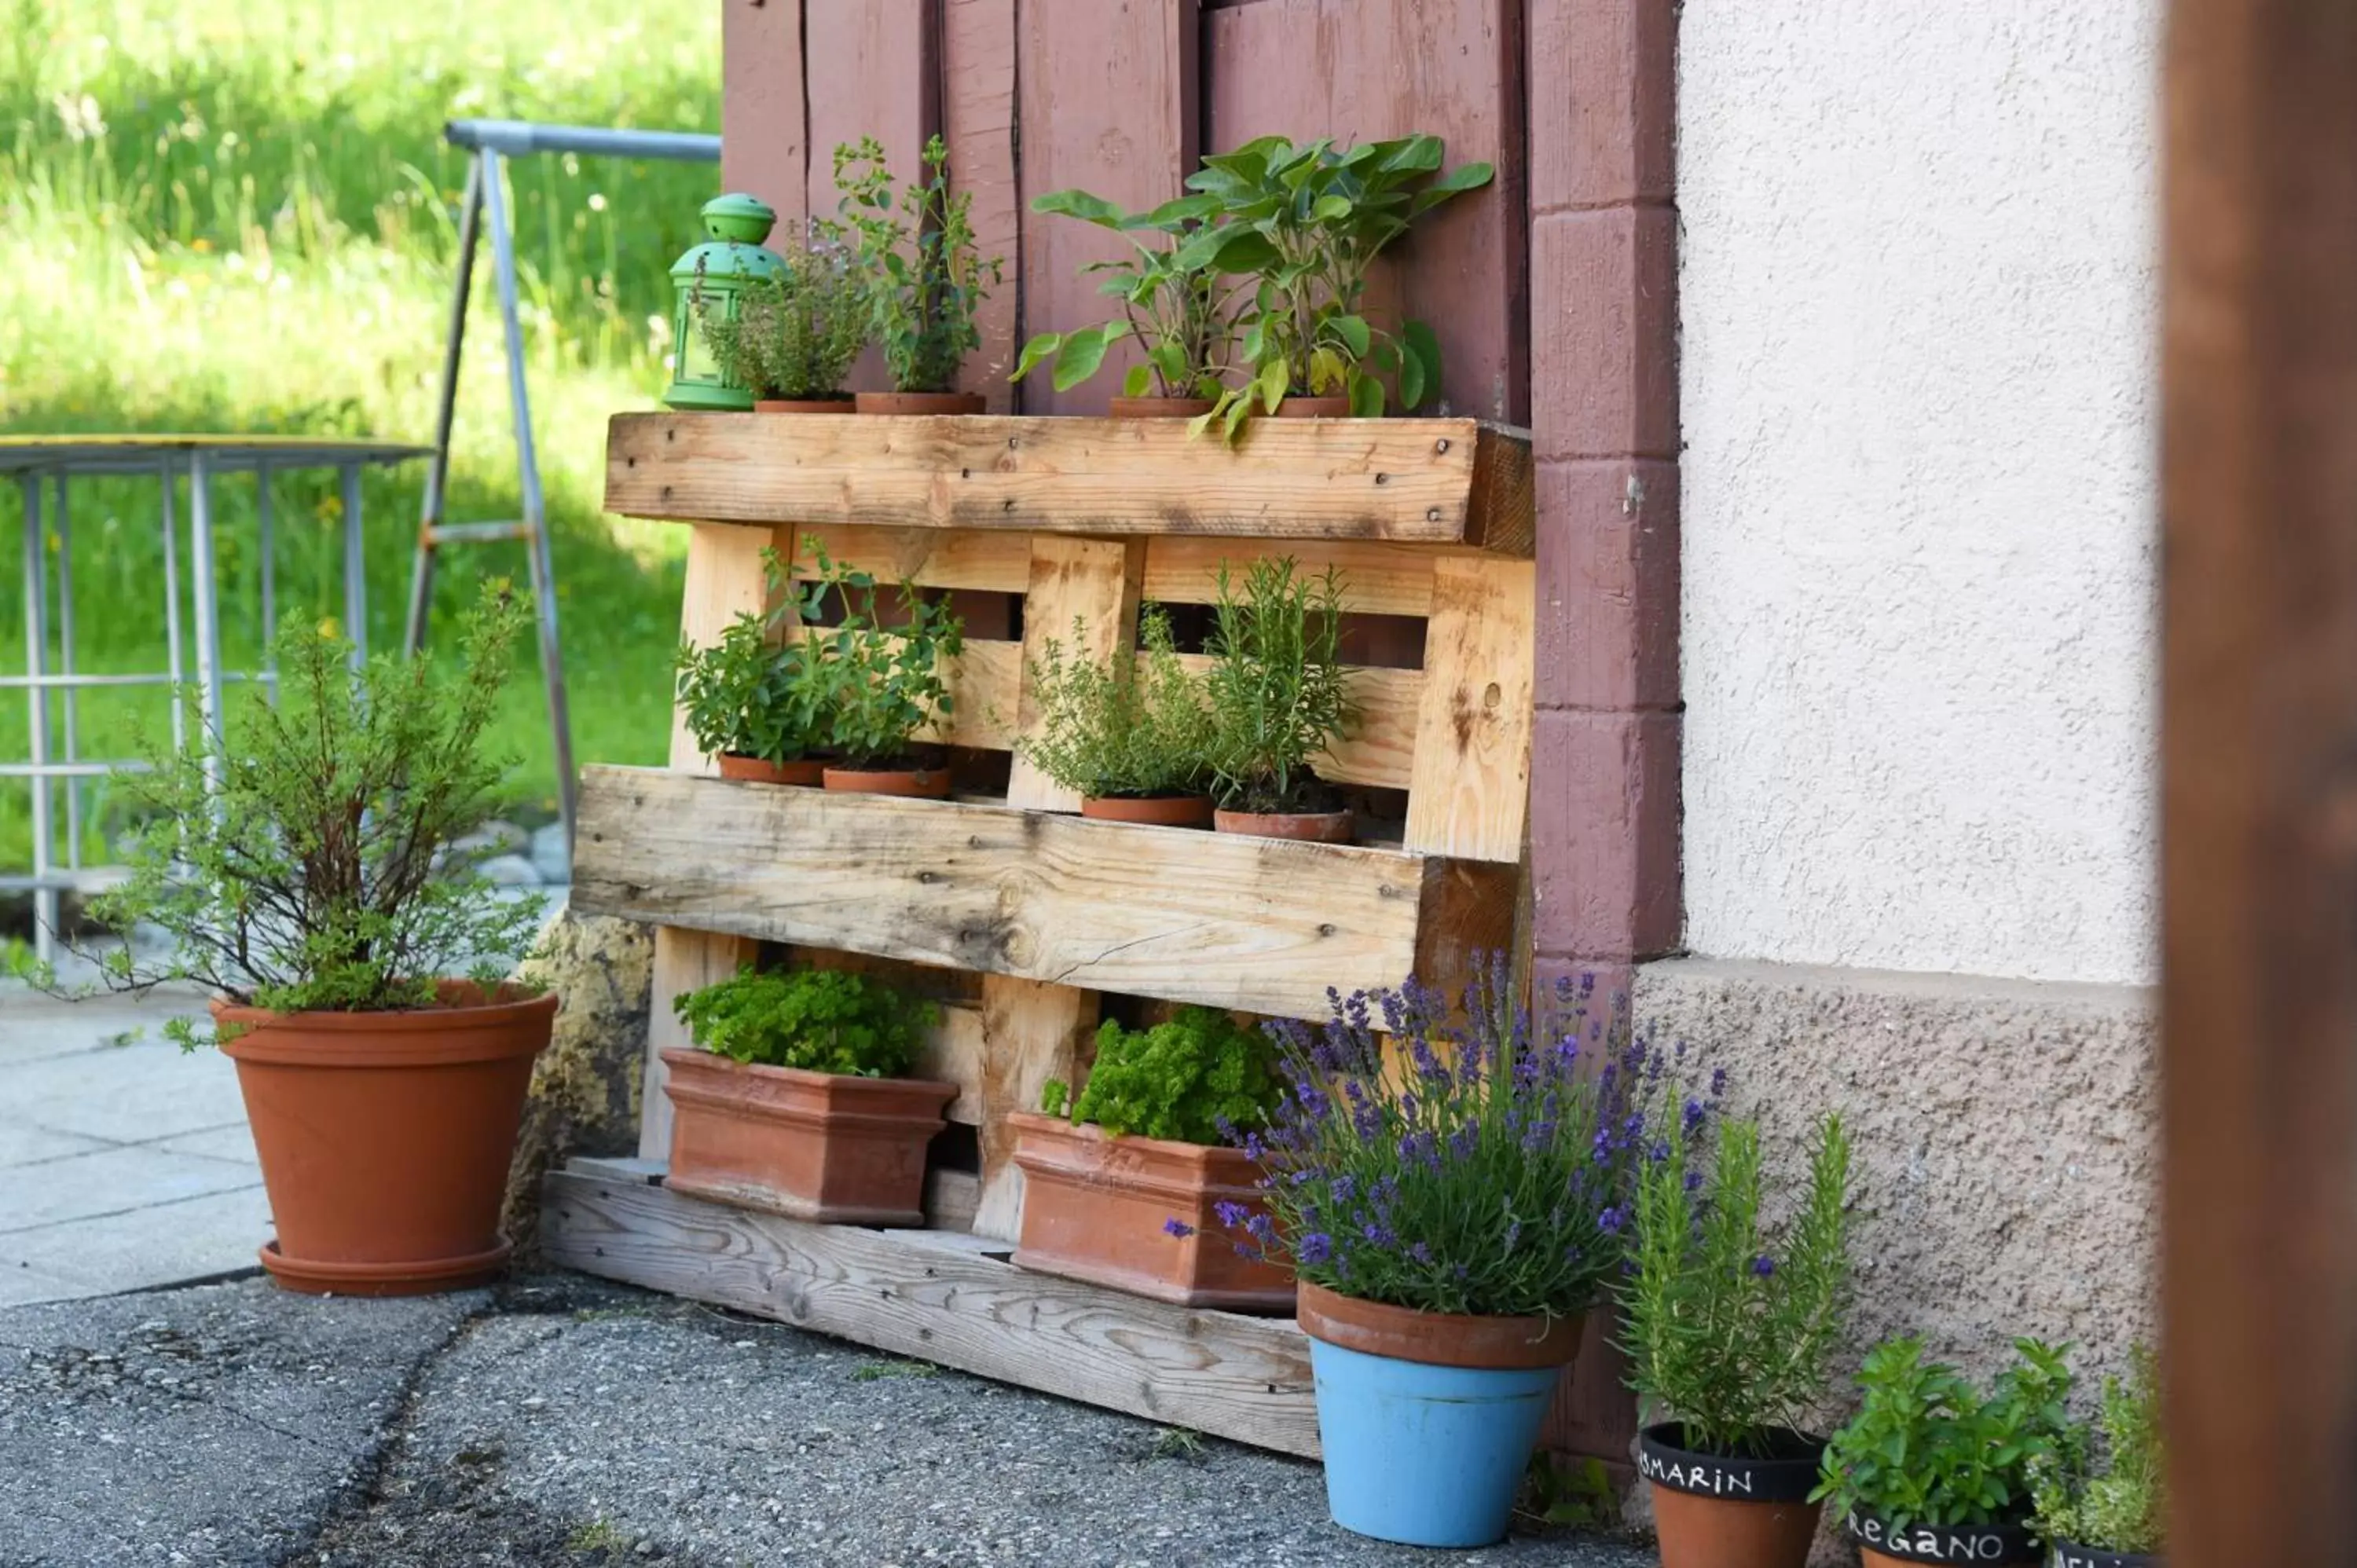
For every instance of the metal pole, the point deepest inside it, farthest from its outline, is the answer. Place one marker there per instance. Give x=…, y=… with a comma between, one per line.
x=37, y=700
x=172, y=613
x=269, y=549
x=543, y=583
x=355, y=567
x=437, y=467
x=201, y=567
x=66, y=665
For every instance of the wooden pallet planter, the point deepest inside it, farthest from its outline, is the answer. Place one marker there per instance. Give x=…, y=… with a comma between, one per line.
x=1084, y=518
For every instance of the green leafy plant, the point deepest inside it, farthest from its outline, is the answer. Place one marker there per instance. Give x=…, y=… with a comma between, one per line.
x=820, y=1020
x=2123, y=1506
x=1724, y=1332
x=1176, y=305
x=928, y=274
x=1193, y=1078
x=796, y=331
x=1137, y=727
x=878, y=683
x=1927, y=1449
x=750, y=696
x=1278, y=692
x=304, y=862
x=1306, y=223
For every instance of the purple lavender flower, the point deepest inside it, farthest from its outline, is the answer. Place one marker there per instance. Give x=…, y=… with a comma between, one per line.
x=1420, y=1253
x=1179, y=1227
x=1610, y=1221
x=1694, y=1115
x=1231, y=1214
x=1718, y=1083
x=1315, y=1249
x=1694, y=1181
x=1763, y=1265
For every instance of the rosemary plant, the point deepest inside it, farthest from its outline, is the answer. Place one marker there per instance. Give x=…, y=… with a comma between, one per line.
x=1279, y=694
x=1136, y=728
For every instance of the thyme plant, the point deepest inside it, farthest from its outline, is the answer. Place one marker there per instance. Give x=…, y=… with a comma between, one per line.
x=2122, y=1506
x=1278, y=692
x=317, y=874
x=1489, y=1173
x=927, y=272
x=796, y=332
x=1927, y=1449
x=1138, y=728
x=1724, y=1331
x=819, y=1020
x=1187, y=1080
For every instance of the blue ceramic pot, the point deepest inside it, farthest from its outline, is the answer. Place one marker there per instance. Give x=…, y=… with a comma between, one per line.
x=1422, y=1448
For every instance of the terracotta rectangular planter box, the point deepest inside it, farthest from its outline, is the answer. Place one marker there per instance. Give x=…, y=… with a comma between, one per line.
x=815, y=1145
x=1094, y=1209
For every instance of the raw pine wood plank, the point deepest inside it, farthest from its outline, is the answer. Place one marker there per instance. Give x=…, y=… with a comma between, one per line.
x=1244, y=1379
x=1082, y=592
x=953, y=1053
x=1397, y=481
x=1221, y=919
x=1469, y=793
x=1031, y=1033
x=724, y=579
x=950, y=1199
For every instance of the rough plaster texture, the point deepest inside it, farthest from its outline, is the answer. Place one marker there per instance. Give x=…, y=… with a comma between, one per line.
x=2004, y=1133
x=1917, y=295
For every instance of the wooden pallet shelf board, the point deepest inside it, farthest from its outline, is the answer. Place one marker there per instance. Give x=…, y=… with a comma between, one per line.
x=1225, y=919
x=1432, y=481
x=946, y=1298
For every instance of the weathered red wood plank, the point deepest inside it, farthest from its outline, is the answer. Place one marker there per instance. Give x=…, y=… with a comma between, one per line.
x=762, y=147
x=978, y=120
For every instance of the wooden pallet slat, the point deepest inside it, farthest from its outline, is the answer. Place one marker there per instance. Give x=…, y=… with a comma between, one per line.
x=1433, y=481
x=1242, y=1377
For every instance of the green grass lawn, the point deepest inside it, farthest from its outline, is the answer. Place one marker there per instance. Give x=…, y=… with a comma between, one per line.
x=239, y=215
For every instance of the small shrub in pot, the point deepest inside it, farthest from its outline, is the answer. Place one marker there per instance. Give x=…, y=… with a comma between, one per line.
x=303, y=868
x=757, y=704
x=1279, y=697
x=2107, y=1510
x=879, y=682
x=1932, y=1470
x=795, y=1101
x=1133, y=736
x=927, y=275
x=1728, y=1333
x=796, y=331
x=1128, y=1184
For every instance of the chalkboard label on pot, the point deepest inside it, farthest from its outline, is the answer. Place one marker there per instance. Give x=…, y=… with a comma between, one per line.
x=1996, y=1545
x=2064, y=1555
x=1720, y=1510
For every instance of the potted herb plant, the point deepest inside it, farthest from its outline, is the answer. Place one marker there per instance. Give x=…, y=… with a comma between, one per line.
x=795, y=330
x=758, y=707
x=1132, y=737
x=1451, y=1218
x=1122, y=1189
x=2114, y=1515
x=1931, y=1471
x=1175, y=305
x=794, y=1103
x=926, y=274
x=304, y=870
x=879, y=685
x=1306, y=223
x=1279, y=696
x=1727, y=1337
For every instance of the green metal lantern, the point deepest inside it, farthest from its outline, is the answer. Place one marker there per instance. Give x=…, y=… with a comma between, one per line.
x=714, y=275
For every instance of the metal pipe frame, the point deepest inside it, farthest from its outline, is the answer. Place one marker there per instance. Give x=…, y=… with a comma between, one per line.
x=36, y=701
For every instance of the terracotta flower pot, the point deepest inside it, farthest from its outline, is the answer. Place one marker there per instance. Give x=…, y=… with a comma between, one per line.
x=808, y=772
x=920, y=402
x=922, y=783
x=2063, y=1554
x=816, y=1145
x=1427, y=1420
x=1159, y=407
x=1715, y=1511
x=1312, y=827
x=385, y=1137
x=1314, y=408
x=1097, y=1208
x=1981, y=1545
x=804, y=405
x=1161, y=811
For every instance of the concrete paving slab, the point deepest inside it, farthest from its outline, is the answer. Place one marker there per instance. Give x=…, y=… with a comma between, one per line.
x=194, y=1239
x=22, y=1285
x=109, y=1181
x=131, y=1094
x=232, y=1142
x=34, y=1027
x=23, y=1143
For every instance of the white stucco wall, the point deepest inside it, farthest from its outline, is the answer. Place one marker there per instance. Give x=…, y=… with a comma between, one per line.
x=1918, y=305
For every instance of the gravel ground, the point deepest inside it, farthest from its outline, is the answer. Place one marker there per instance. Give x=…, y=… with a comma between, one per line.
x=567, y=1422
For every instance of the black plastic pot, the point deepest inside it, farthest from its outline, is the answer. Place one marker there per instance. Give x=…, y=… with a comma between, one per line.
x=2063, y=1554
x=1977, y=1545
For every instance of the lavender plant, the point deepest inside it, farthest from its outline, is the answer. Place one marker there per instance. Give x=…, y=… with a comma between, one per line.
x=1488, y=1173
x=1723, y=1331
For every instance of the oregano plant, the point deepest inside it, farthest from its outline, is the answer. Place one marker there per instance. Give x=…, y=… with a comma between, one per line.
x=927, y=272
